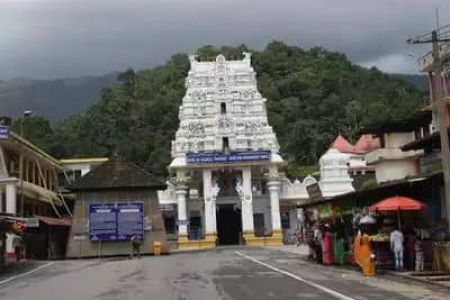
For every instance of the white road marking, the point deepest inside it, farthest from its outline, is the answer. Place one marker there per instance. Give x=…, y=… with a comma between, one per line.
x=331, y=292
x=26, y=273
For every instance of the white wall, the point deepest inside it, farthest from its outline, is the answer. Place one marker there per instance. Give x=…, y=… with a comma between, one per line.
x=394, y=169
x=397, y=139
x=84, y=168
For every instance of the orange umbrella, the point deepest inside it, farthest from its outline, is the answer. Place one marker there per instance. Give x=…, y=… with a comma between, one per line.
x=398, y=203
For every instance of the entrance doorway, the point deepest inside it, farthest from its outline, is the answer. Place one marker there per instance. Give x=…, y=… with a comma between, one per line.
x=229, y=224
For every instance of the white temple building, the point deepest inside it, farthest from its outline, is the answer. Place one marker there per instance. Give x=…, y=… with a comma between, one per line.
x=226, y=182
x=334, y=174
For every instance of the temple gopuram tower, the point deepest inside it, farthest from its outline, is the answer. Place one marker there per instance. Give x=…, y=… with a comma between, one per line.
x=225, y=180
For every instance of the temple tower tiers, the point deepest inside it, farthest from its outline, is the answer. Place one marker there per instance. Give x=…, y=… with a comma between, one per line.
x=222, y=110
x=225, y=158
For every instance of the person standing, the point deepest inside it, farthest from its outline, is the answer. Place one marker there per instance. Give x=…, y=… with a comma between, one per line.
x=327, y=247
x=309, y=238
x=396, y=240
x=318, y=239
x=136, y=246
x=17, y=244
x=409, y=247
x=418, y=248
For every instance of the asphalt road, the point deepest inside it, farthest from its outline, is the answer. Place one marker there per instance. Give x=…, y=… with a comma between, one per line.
x=226, y=273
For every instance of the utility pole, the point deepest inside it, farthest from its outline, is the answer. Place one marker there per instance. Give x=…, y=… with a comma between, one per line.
x=22, y=165
x=439, y=107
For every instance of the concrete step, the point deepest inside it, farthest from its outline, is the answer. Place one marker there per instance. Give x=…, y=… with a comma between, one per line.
x=429, y=273
x=439, y=278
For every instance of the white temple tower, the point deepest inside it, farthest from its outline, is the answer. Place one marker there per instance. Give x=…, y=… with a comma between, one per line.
x=226, y=182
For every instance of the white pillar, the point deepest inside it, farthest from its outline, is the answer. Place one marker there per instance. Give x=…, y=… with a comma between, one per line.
x=11, y=208
x=247, y=202
x=210, y=205
x=273, y=186
x=274, y=194
x=181, y=192
x=11, y=201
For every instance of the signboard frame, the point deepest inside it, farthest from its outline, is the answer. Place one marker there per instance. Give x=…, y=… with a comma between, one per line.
x=112, y=228
x=5, y=132
x=314, y=192
x=232, y=157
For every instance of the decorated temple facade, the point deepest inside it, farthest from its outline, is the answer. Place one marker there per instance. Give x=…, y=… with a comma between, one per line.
x=226, y=183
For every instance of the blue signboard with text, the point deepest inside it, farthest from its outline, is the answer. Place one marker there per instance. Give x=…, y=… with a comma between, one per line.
x=116, y=221
x=4, y=132
x=130, y=220
x=232, y=157
x=102, y=222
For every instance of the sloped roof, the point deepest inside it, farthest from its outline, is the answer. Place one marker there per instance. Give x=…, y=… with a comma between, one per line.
x=404, y=124
x=117, y=173
x=342, y=145
x=431, y=140
x=367, y=143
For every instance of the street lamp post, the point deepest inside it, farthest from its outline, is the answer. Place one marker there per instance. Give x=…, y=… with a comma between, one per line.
x=26, y=113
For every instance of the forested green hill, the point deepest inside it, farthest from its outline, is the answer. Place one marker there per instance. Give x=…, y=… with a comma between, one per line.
x=312, y=96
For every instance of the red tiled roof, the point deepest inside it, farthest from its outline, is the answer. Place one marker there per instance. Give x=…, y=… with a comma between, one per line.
x=342, y=145
x=367, y=143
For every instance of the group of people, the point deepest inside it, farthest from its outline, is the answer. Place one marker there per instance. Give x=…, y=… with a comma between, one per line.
x=323, y=240
x=413, y=244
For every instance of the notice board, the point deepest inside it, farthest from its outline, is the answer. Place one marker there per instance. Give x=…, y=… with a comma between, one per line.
x=116, y=221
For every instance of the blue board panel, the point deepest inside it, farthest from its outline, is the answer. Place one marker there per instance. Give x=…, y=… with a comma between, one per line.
x=102, y=222
x=4, y=132
x=130, y=220
x=112, y=221
x=214, y=157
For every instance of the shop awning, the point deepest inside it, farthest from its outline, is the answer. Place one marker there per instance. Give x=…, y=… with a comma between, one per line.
x=398, y=203
x=54, y=221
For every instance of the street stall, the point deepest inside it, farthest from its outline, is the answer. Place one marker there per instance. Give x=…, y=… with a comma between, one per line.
x=335, y=224
x=397, y=205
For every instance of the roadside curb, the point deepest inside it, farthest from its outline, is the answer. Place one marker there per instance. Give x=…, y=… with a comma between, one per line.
x=382, y=273
x=406, y=277
x=28, y=272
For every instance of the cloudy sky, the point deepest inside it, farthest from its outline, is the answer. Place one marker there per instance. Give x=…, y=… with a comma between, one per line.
x=66, y=38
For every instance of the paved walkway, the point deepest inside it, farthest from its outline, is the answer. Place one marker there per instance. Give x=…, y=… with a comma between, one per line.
x=229, y=273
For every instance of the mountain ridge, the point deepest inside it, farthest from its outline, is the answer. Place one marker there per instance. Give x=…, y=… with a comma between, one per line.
x=54, y=99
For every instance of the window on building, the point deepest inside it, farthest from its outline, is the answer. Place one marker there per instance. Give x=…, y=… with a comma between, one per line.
x=223, y=108
x=225, y=144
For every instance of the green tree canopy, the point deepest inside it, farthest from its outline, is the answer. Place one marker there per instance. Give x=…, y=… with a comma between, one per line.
x=312, y=96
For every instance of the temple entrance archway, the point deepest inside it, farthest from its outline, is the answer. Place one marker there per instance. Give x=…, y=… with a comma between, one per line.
x=229, y=224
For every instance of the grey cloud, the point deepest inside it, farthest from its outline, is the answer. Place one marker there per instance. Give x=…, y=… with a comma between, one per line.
x=62, y=38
